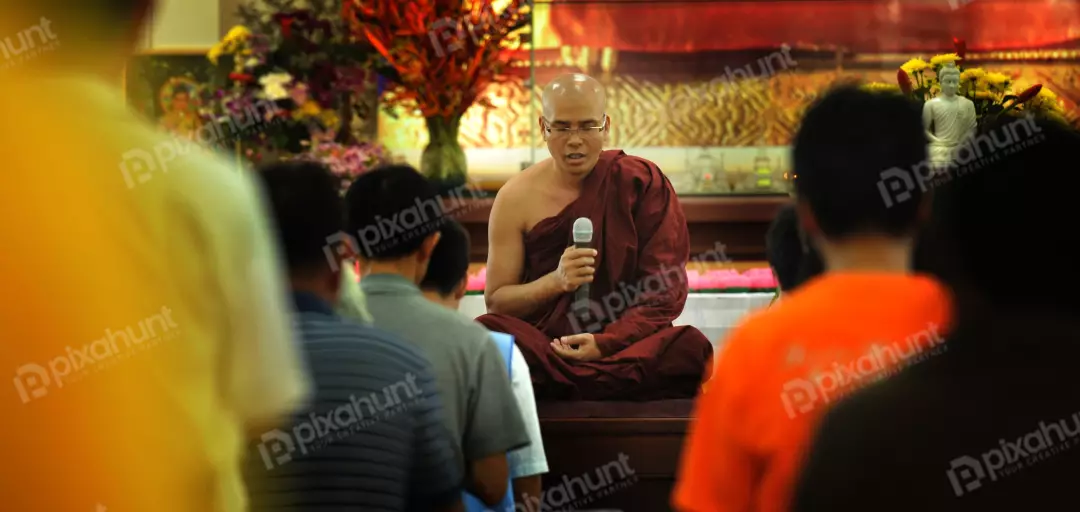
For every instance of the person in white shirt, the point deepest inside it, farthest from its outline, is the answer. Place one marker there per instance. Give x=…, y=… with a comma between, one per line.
x=352, y=303
x=444, y=283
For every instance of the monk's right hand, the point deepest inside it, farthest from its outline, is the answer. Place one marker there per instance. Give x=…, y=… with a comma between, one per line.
x=576, y=267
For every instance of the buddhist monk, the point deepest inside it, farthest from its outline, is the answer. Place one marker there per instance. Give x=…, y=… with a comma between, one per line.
x=622, y=346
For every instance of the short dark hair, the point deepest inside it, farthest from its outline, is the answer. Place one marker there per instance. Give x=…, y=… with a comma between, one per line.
x=307, y=210
x=790, y=254
x=987, y=218
x=391, y=210
x=449, y=261
x=847, y=140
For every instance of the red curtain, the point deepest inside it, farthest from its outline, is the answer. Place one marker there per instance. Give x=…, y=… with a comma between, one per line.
x=859, y=25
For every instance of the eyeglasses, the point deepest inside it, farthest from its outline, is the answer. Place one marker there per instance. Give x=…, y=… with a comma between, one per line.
x=566, y=131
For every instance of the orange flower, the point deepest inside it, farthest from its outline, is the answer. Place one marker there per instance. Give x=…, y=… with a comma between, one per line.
x=1028, y=93
x=904, y=81
x=960, y=46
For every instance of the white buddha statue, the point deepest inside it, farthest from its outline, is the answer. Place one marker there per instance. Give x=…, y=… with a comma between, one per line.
x=949, y=119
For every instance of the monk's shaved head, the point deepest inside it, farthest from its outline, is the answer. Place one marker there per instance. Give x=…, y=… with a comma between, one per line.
x=573, y=90
x=574, y=122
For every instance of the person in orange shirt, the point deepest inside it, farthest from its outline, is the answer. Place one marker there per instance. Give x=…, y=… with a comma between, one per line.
x=865, y=317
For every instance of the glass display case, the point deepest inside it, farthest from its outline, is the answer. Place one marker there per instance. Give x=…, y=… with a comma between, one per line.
x=712, y=91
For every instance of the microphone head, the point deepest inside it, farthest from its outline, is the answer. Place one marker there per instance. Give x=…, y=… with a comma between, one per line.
x=583, y=230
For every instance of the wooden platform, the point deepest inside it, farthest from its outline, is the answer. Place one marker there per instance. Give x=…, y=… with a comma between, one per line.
x=633, y=447
x=733, y=225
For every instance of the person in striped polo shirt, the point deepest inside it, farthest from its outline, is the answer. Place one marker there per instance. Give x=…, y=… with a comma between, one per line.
x=374, y=437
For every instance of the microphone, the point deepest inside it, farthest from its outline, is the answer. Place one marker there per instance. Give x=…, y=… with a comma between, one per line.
x=582, y=240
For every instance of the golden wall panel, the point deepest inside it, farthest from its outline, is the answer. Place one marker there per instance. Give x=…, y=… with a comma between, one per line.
x=651, y=113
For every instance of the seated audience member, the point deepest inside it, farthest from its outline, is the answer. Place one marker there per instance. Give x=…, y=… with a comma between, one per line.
x=784, y=366
x=792, y=258
x=396, y=215
x=445, y=282
x=618, y=343
x=994, y=422
x=387, y=447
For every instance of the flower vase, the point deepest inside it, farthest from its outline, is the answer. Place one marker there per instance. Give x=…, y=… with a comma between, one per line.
x=443, y=160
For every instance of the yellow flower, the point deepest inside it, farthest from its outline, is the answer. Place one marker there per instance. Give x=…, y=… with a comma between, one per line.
x=215, y=53
x=935, y=90
x=330, y=120
x=914, y=66
x=998, y=78
x=237, y=34
x=943, y=59
x=311, y=108
x=972, y=74
x=984, y=95
x=1045, y=101
x=274, y=85
x=881, y=87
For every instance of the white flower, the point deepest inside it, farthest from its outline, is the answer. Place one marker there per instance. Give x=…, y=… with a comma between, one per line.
x=274, y=85
x=251, y=62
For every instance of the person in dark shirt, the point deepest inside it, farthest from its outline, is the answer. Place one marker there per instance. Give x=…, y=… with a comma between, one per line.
x=993, y=423
x=374, y=438
x=791, y=256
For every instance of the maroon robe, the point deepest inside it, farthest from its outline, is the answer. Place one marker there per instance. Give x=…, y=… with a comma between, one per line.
x=640, y=287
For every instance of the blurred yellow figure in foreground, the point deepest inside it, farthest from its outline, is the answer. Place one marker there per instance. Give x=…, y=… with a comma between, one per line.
x=144, y=320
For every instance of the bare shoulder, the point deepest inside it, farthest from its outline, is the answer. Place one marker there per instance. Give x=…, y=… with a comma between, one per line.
x=517, y=187
x=519, y=191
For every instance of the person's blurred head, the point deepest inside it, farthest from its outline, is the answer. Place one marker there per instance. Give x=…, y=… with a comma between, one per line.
x=574, y=122
x=308, y=212
x=847, y=140
x=94, y=35
x=395, y=214
x=1001, y=232
x=448, y=272
x=793, y=259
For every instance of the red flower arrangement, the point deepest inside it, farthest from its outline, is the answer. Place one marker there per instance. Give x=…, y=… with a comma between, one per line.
x=442, y=55
x=445, y=53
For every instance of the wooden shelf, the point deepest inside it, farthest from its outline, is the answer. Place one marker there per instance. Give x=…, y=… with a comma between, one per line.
x=735, y=223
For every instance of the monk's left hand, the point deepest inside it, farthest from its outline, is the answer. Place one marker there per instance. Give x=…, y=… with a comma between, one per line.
x=579, y=347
